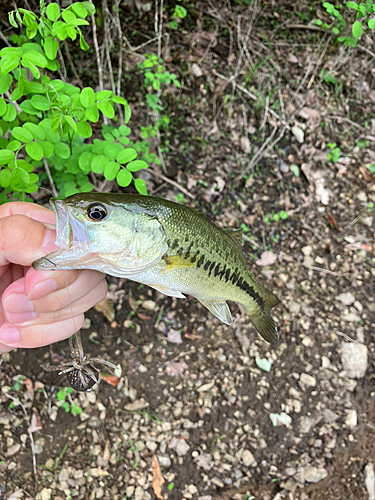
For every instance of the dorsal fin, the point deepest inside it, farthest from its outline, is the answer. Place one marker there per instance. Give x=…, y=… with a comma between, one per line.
x=235, y=234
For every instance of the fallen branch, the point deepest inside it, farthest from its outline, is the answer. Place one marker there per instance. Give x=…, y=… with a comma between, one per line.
x=173, y=183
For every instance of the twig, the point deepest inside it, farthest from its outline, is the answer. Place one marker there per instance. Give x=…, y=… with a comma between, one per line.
x=107, y=44
x=365, y=49
x=72, y=66
x=4, y=39
x=119, y=75
x=170, y=181
x=347, y=337
x=32, y=446
x=62, y=64
x=96, y=45
x=302, y=27
x=53, y=187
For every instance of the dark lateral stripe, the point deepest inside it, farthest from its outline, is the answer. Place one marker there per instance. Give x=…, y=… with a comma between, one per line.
x=211, y=268
x=207, y=265
x=200, y=261
x=187, y=254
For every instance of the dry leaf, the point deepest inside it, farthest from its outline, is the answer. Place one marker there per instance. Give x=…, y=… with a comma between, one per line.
x=36, y=422
x=267, y=259
x=192, y=336
x=332, y=221
x=366, y=174
x=106, y=308
x=143, y=317
x=16, y=495
x=29, y=387
x=174, y=368
x=110, y=379
x=157, y=477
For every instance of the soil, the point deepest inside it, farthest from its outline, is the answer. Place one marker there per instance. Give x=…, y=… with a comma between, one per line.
x=192, y=391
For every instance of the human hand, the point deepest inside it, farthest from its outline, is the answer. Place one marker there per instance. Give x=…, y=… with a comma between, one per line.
x=38, y=307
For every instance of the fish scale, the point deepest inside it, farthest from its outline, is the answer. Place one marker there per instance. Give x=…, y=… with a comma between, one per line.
x=170, y=247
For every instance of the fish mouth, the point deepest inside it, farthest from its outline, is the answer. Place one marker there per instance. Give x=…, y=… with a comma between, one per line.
x=69, y=231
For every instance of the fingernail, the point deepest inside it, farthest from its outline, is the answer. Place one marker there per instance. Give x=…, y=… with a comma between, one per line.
x=48, y=244
x=9, y=335
x=17, y=303
x=42, y=289
x=20, y=318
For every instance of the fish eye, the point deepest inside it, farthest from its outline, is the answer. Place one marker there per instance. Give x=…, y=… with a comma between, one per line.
x=97, y=212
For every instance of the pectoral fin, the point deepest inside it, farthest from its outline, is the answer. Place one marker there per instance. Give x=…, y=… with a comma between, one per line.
x=168, y=291
x=219, y=308
x=177, y=262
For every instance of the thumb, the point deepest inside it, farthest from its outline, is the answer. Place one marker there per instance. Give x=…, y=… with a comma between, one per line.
x=23, y=240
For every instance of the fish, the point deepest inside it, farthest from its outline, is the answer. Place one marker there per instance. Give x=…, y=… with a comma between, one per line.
x=170, y=247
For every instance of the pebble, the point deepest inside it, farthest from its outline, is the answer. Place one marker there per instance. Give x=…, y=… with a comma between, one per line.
x=164, y=461
x=354, y=359
x=218, y=482
x=307, y=250
x=181, y=447
x=12, y=450
x=130, y=491
x=150, y=305
x=245, y=144
x=142, y=368
x=206, y=387
x=294, y=307
x=138, y=404
x=45, y=494
x=95, y=422
x=196, y=70
x=370, y=480
x=307, y=379
x=138, y=493
x=314, y=474
x=351, y=317
x=248, y=459
x=346, y=298
x=351, y=418
x=151, y=445
x=298, y=133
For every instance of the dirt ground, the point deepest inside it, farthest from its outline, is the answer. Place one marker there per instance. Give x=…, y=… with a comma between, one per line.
x=226, y=415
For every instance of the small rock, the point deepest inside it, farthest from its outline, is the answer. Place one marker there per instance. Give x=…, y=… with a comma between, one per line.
x=95, y=422
x=181, y=447
x=12, y=450
x=354, y=359
x=151, y=445
x=150, y=305
x=164, y=461
x=206, y=387
x=142, y=368
x=306, y=424
x=314, y=474
x=196, y=70
x=351, y=418
x=279, y=419
x=45, y=494
x=351, y=317
x=298, y=134
x=139, y=493
x=248, y=459
x=139, y=404
x=205, y=497
x=307, y=250
x=370, y=480
x=86, y=324
x=294, y=307
x=367, y=221
x=130, y=491
x=362, y=196
x=307, y=379
x=245, y=144
x=329, y=416
x=346, y=298
x=218, y=482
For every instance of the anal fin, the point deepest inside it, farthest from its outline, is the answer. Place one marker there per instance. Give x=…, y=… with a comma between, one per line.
x=171, y=292
x=219, y=308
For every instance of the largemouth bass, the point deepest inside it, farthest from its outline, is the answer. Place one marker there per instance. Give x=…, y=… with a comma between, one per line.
x=162, y=244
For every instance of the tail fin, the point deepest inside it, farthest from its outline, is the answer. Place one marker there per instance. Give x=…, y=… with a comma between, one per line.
x=262, y=319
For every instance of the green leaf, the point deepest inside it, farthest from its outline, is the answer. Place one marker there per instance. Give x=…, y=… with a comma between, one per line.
x=85, y=161
x=53, y=12
x=50, y=47
x=57, y=84
x=72, y=124
x=156, y=84
x=37, y=131
x=82, y=43
x=134, y=166
x=127, y=112
x=87, y=97
x=357, y=29
x=107, y=109
x=12, y=21
x=140, y=186
x=34, y=150
x=68, y=16
x=19, y=180
x=34, y=70
x=22, y=134
x=55, y=122
x=90, y=7
x=103, y=94
x=35, y=58
x=24, y=86
x=62, y=150
x=5, y=175
x=126, y=155
x=371, y=24
x=92, y=113
x=16, y=94
x=5, y=156
x=14, y=145
x=119, y=100
x=110, y=170
x=9, y=63
x=11, y=52
x=10, y=113
x=84, y=129
x=48, y=148
x=112, y=150
x=352, y=5
x=40, y=102
x=124, y=130
x=5, y=83
x=99, y=163
x=3, y=106
x=124, y=178
x=79, y=10
x=28, y=108
x=98, y=146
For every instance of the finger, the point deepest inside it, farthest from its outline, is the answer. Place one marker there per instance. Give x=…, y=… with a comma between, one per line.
x=38, y=335
x=23, y=240
x=92, y=297
x=31, y=210
x=16, y=301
